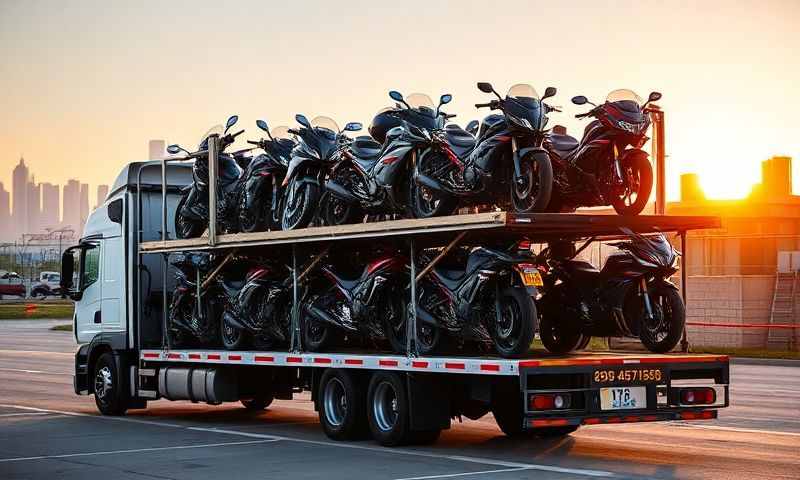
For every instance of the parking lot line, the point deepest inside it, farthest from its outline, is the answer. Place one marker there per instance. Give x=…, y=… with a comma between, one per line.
x=133, y=450
x=463, y=474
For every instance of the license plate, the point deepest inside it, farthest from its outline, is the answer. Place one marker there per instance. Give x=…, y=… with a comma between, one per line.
x=623, y=398
x=530, y=276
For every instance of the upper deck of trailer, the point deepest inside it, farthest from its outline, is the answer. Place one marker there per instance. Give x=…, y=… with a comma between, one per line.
x=495, y=226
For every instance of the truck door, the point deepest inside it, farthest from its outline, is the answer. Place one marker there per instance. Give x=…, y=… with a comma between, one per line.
x=113, y=289
x=88, y=315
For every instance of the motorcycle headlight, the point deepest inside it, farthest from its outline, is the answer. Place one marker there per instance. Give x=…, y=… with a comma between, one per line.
x=522, y=122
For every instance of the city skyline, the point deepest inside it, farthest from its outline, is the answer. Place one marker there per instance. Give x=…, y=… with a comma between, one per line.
x=35, y=207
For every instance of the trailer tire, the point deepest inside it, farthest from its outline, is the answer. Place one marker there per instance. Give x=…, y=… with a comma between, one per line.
x=388, y=410
x=260, y=402
x=508, y=416
x=342, y=409
x=110, y=388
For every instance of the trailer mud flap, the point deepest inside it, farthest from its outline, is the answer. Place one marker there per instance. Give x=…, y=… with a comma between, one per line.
x=429, y=402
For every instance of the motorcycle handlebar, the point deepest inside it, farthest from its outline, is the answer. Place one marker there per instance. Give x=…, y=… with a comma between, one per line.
x=254, y=142
x=481, y=105
x=583, y=115
x=294, y=131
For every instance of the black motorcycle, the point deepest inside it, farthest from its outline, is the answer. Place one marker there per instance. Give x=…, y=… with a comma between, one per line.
x=506, y=160
x=318, y=148
x=374, y=178
x=261, y=191
x=194, y=319
x=601, y=169
x=191, y=216
x=258, y=307
x=631, y=296
x=482, y=294
x=361, y=302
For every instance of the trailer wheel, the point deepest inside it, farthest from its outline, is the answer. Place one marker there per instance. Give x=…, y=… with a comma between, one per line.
x=388, y=410
x=342, y=412
x=259, y=402
x=110, y=392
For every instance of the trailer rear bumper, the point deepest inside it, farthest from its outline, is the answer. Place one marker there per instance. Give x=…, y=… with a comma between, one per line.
x=612, y=419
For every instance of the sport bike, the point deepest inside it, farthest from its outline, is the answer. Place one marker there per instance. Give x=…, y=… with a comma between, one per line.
x=374, y=178
x=505, y=165
x=193, y=319
x=630, y=296
x=483, y=294
x=261, y=191
x=191, y=216
x=355, y=301
x=607, y=166
x=319, y=146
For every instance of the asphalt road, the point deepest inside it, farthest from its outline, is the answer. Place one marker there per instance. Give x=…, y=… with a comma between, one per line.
x=48, y=432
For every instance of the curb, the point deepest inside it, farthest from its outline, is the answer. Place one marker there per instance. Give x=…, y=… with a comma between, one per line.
x=774, y=362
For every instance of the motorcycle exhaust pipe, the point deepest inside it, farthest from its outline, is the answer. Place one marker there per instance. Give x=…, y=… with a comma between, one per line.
x=426, y=317
x=429, y=182
x=340, y=192
x=230, y=319
x=320, y=315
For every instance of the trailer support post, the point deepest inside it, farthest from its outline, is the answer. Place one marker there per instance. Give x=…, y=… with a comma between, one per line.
x=295, y=338
x=213, y=162
x=684, y=336
x=164, y=236
x=164, y=307
x=411, y=317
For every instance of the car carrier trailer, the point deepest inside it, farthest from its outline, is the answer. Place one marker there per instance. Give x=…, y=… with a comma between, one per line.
x=126, y=357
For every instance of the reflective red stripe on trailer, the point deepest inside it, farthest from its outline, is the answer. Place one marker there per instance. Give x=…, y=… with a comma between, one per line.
x=419, y=364
x=264, y=358
x=322, y=360
x=490, y=367
x=195, y=356
x=387, y=363
x=213, y=356
x=454, y=366
x=151, y=355
x=294, y=359
x=174, y=356
x=353, y=361
x=558, y=422
x=235, y=358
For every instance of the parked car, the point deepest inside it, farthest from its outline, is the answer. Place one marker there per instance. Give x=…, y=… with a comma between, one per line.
x=11, y=284
x=49, y=285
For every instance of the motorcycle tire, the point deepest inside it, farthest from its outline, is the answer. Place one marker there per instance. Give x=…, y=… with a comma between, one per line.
x=555, y=337
x=513, y=335
x=395, y=323
x=532, y=193
x=317, y=336
x=301, y=216
x=253, y=221
x=426, y=203
x=233, y=338
x=637, y=163
x=185, y=227
x=585, y=342
x=670, y=315
x=336, y=211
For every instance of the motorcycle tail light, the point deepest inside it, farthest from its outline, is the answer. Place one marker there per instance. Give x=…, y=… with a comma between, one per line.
x=698, y=396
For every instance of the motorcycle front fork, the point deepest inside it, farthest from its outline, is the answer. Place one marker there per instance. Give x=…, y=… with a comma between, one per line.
x=648, y=308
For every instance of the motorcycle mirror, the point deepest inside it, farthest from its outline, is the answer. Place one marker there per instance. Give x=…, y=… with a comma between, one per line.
x=175, y=149
x=445, y=99
x=353, y=127
x=262, y=125
x=302, y=120
x=231, y=122
x=549, y=92
x=654, y=97
x=580, y=100
x=485, y=87
x=396, y=96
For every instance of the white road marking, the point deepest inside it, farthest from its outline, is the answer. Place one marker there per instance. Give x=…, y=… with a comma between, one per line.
x=133, y=450
x=737, y=429
x=25, y=414
x=394, y=451
x=36, y=352
x=463, y=474
x=21, y=370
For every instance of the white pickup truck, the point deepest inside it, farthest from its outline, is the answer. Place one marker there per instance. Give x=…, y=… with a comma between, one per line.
x=49, y=285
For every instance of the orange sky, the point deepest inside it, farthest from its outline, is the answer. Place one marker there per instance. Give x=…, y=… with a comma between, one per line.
x=83, y=88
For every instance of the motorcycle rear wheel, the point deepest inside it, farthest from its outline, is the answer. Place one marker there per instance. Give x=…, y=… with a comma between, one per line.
x=557, y=337
x=300, y=214
x=317, y=336
x=336, y=211
x=185, y=227
x=531, y=194
x=250, y=221
x=637, y=169
x=233, y=338
x=424, y=202
x=513, y=334
x=663, y=333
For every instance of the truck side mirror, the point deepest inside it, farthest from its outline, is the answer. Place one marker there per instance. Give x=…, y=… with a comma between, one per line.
x=67, y=273
x=115, y=211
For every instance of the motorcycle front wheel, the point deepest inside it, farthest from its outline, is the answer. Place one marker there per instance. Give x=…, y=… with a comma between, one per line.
x=424, y=202
x=254, y=219
x=663, y=332
x=184, y=226
x=299, y=204
x=556, y=336
x=638, y=179
x=530, y=193
x=515, y=324
x=232, y=337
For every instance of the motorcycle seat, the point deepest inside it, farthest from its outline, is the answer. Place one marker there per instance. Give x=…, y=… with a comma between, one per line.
x=365, y=148
x=562, y=144
x=459, y=137
x=451, y=278
x=582, y=269
x=232, y=287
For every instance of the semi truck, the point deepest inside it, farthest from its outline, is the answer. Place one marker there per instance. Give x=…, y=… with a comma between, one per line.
x=126, y=359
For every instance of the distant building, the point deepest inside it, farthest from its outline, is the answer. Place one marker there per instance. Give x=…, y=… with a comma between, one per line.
x=84, y=203
x=33, y=222
x=51, y=203
x=19, y=192
x=157, y=149
x=690, y=188
x=5, y=214
x=72, y=206
x=102, y=193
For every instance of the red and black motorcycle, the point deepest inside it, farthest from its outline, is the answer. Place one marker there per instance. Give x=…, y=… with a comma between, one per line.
x=355, y=301
x=607, y=166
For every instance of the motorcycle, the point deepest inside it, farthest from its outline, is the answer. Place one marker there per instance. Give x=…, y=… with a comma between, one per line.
x=601, y=169
x=507, y=155
x=373, y=178
x=191, y=216
x=630, y=296
x=258, y=308
x=319, y=147
x=361, y=302
x=193, y=319
x=261, y=191
x=486, y=296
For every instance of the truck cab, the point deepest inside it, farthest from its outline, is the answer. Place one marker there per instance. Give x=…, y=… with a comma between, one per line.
x=101, y=273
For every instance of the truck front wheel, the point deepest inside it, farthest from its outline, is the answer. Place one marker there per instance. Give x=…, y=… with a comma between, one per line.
x=110, y=392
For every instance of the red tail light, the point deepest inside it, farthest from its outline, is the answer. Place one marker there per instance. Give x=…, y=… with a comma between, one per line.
x=698, y=396
x=550, y=401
